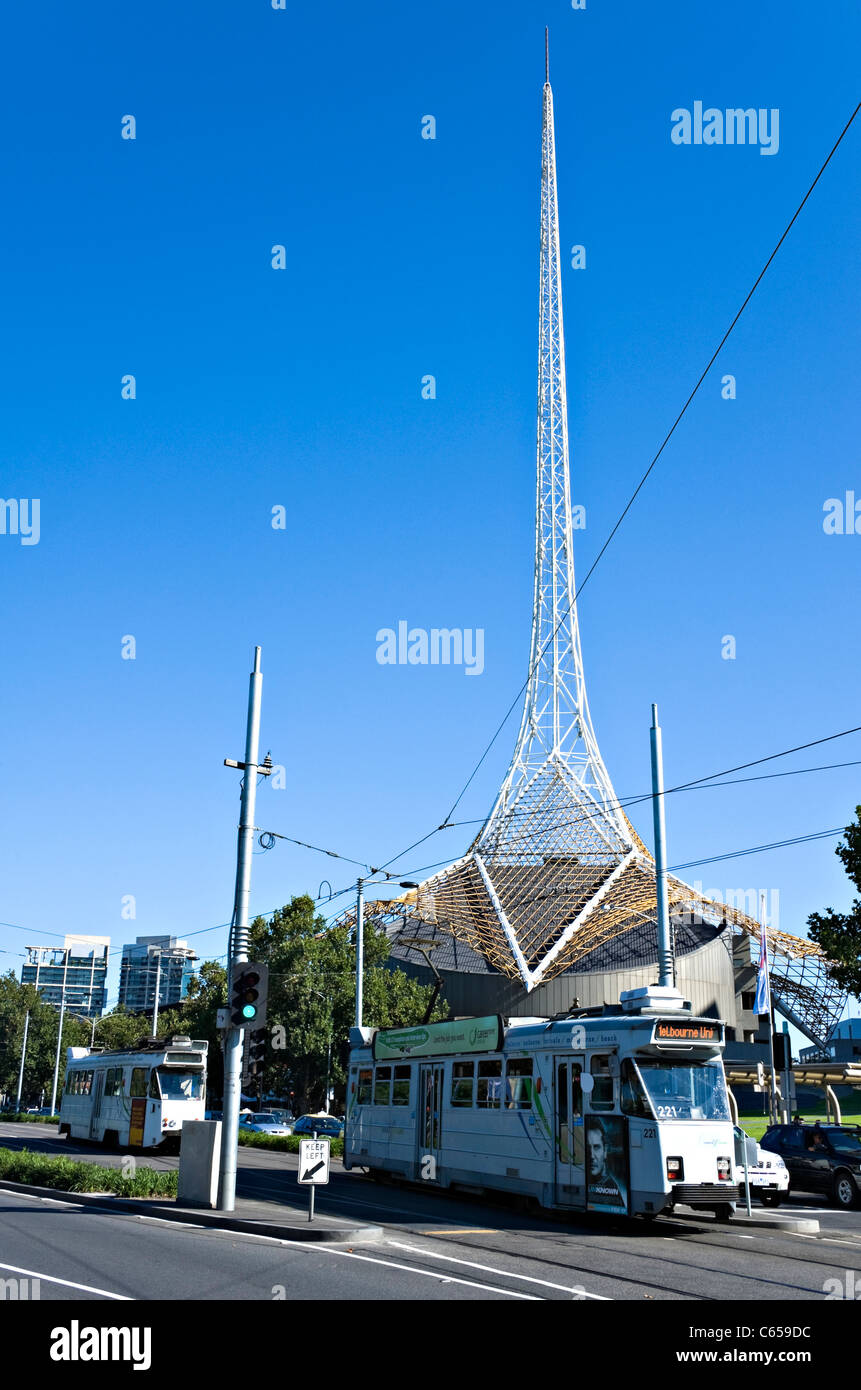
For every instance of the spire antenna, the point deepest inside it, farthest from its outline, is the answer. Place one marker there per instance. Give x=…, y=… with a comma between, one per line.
x=547, y=56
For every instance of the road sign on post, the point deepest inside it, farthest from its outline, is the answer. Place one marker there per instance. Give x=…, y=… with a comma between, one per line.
x=314, y=1161
x=313, y=1167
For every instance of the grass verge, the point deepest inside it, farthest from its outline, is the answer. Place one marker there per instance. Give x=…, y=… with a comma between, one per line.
x=73, y=1175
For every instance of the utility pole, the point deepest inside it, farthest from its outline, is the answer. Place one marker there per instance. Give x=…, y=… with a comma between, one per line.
x=57, y=1058
x=775, y=1103
x=360, y=948
x=155, y=1001
x=666, y=965
x=23, y=1055
x=233, y=1037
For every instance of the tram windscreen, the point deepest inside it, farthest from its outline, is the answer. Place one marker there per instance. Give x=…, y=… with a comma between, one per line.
x=685, y=1090
x=181, y=1085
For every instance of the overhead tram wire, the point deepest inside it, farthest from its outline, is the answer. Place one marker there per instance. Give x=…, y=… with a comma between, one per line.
x=648, y=471
x=698, y=783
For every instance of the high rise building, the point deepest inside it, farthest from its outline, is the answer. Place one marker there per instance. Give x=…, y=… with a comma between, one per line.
x=151, y=958
x=75, y=972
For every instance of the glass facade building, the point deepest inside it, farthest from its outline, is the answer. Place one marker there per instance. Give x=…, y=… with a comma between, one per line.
x=75, y=972
x=164, y=958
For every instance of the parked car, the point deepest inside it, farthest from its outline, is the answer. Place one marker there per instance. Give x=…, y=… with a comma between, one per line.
x=285, y=1116
x=328, y=1125
x=265, y=1123
x=820, y=1158
x=767, y=1173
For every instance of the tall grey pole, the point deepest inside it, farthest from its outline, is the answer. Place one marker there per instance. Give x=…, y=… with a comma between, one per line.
x=233, y=1037
x=155, y=1001
x=57, y=1058
x=666, y=972
x=774, y=1105
x=23, y=1055
x=360, y=948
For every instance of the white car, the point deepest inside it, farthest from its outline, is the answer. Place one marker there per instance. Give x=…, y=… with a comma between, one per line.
x=767, y=1173
x=264, y=1123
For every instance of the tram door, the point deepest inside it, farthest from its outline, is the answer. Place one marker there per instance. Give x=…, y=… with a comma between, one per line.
x=570, y=1146
x=430, y=1119
x=98, y=1088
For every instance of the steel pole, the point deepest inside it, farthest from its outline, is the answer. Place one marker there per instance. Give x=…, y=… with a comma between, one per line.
x=233, y=1037
x=155, y=1001
x=23, y=1055
x=360, y=948
x=57, y=1058
x=666, y=969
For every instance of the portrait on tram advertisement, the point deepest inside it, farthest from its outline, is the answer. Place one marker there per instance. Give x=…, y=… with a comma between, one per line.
x=606, y=1162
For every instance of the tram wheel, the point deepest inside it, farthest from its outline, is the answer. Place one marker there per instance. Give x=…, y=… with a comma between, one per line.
x=724, y=1211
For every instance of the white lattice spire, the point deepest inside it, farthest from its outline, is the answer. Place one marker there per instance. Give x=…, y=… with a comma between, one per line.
x=556, y=775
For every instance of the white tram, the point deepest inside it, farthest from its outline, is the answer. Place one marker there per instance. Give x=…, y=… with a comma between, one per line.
x=625, y=1113
x=138, y=1098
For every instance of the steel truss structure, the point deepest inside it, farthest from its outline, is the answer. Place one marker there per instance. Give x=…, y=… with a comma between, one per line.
x=557, y=870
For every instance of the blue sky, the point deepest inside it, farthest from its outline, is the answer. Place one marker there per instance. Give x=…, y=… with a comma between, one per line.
x=302, y=388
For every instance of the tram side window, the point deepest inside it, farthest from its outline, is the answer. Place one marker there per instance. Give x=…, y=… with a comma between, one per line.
x=401, y=1087
x=383, y=1086
x=140, y=1081
x=602, y=1084
x=633, y=1098
x=114, y=1081
x=489, y=1084
x=518, y=1083
x=154, y=1092
x=462, y=1083
x=363, y=1095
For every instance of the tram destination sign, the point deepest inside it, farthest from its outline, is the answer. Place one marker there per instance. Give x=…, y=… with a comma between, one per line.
x=670, y=1030
x=440, y=1039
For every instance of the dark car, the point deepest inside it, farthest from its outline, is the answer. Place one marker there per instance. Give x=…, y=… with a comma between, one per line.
x=820, y=1158
x=323, y=1124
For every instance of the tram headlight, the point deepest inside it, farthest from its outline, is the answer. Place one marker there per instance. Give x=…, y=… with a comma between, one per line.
x=676, y=1169
x=724, y=1169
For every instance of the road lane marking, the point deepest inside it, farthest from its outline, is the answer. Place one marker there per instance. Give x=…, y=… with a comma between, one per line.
x=410, y=1269
x=69, y=1284
x=493, y=1269
x=464, y=1231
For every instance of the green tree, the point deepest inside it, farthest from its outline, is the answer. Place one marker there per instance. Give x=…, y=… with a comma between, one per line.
x=839, y=933
x=312, y=997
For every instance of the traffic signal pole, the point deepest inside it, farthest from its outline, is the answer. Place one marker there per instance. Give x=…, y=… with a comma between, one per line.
x=233, y=1036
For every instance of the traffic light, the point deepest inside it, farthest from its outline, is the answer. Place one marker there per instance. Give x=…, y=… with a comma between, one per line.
x=248, y=991
x=256, y=1053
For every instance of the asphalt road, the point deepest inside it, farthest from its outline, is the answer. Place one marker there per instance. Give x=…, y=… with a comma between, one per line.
x=434, y=1245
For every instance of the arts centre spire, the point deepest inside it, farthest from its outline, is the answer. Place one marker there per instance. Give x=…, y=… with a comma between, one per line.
x=557, y=872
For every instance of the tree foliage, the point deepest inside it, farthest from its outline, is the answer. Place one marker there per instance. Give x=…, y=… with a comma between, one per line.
x=839, y=933
x=310, y=1013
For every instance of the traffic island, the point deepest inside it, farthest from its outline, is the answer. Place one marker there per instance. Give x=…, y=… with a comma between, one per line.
x=249, y=1218
x=763, y=1220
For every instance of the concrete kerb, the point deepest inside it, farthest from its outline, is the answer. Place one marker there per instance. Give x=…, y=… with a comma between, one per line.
x=796, y=1225
x=312, y=1232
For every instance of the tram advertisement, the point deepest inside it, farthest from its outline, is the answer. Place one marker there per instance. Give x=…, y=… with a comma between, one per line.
x=607, y=1163
x=136, y=1123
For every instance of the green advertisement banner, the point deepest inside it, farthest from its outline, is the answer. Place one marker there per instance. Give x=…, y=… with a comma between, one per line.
x=440, y=1039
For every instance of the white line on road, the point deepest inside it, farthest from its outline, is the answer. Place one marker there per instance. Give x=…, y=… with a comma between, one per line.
x=493, y=1269
x=410, y=1269
x=67, y=1283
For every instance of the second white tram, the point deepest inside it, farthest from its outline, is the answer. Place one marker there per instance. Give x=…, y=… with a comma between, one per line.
x=625, y=1113
x=137, y=1098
